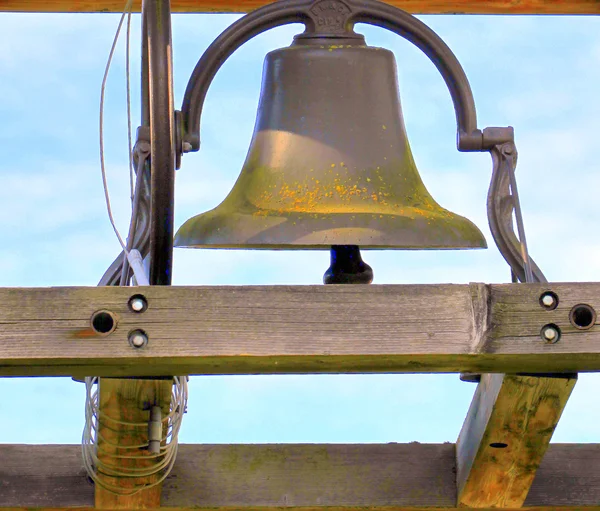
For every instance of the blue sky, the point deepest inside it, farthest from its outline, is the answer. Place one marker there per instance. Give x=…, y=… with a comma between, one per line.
x=538, y=74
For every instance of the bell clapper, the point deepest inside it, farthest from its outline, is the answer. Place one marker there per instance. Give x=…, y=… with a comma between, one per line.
x=347, y=266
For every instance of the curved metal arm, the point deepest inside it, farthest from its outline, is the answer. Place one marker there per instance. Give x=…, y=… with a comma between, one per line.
x=331, y=19
x=410, y=28
x=502, y=201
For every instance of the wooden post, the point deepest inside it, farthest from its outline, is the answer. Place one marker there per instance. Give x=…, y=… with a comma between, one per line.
x=505, y=436
x=128, y=400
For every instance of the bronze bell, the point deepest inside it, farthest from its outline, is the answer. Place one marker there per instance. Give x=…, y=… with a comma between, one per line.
x=329, y=163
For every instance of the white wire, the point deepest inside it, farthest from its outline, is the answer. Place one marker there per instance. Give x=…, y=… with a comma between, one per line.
x=97, y=460
x=128, y=88
x=102, y=94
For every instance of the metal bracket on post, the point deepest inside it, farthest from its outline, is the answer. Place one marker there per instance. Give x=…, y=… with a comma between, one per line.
x=502, y=203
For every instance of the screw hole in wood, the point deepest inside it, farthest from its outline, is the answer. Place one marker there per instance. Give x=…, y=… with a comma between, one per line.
x=582, y=316
x=103, y=322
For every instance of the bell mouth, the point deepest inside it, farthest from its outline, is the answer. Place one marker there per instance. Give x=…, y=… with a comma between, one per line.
x=271, y=230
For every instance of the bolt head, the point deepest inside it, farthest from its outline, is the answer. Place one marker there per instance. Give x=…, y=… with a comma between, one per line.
x=187, y=147
x=548, y=300
x=138, y=339
x=550, y=333
x=137, y=304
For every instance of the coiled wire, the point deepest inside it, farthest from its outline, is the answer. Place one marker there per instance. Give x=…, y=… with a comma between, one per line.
x=102, y=458
x=99, y=461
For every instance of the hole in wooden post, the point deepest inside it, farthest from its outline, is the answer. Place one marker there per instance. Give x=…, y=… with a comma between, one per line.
x=103, y=322
x=582, y=316
x=498, y=445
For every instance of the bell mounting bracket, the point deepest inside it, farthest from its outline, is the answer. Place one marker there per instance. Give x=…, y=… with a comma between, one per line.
x=331, y=19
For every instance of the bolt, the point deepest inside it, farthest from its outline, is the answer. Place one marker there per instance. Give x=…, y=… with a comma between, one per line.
x=138, y=339
x=549, y=300
x=507, y=149
x=550, y=333
x=187, y=147
x=138, y=303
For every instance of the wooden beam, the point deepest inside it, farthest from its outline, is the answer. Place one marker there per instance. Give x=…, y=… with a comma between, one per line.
x=505, y=436
x=297, y=329
x=381, y=477
x=414, y=6
x=262, y=508
x=128, y=401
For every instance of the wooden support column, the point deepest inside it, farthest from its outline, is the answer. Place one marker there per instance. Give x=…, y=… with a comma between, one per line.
x=505, y=436
x=128, y=400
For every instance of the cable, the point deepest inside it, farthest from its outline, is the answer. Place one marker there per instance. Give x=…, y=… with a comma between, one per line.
x=102, y=94
x=520, y=224
x=101, y=457
x=128, y=88
x=139, y=180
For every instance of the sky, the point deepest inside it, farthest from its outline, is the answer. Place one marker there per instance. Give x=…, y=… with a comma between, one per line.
x=538, y=74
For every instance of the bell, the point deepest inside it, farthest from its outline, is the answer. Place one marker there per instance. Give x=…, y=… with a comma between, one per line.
x=329, y=163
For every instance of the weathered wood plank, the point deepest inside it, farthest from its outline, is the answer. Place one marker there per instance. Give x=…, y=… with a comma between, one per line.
x=414, y=6
x=505, y=436
x=564, y=480
x=128, y=401
x=297, y=329
x=313, y=475
x=259, y=508
x=255, y=508
x=381, y=477
x=43, y=476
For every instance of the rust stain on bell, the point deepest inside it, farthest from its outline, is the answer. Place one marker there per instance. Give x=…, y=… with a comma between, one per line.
x=329, y=162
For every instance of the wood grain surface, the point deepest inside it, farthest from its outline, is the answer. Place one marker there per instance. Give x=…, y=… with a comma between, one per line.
x=505, y=436
x=297, y=329
x=386, y=477
x=128, y=400
x=414, y=6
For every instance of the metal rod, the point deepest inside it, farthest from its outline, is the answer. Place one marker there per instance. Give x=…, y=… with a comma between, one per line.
x=156, y=16
x=519, y=221
x=145, y=121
